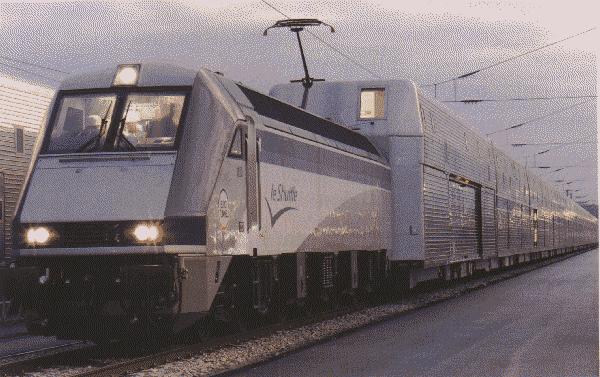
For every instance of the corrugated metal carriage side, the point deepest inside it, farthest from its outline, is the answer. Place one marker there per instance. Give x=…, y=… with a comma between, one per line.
x=468, y=173
x=22, y=109
x=515, y=219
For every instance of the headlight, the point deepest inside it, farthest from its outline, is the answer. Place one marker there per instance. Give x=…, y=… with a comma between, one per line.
x=127, y=75
x=37, y=235
x=146, y=233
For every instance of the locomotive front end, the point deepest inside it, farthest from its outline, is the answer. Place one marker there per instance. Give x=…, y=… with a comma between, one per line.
x=97, y=253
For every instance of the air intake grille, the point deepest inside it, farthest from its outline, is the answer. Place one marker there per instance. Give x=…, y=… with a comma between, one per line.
x=327, y=272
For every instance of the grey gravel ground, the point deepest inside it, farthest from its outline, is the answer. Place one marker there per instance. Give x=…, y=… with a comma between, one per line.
x=59, y=372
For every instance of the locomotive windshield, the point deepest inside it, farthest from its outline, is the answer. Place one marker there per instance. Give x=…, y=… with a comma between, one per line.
x=149, y=121
x=111, y=122
x=81, y=122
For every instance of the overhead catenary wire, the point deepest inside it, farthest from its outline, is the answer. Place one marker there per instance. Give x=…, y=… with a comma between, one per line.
x=33, y=65
x=472, y=101
x=29, y=72
x=471, y=73
x=539, y=118
x=361, y=66
x=560, y=143
x=335, y=49
x=563, y=167
x=509, y=59
x=555, y=147
x=372, y=73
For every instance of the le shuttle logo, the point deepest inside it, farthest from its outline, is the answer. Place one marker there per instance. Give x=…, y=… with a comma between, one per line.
x=285, y=196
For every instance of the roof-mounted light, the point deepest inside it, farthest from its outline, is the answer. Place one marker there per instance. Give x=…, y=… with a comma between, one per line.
x=127, y=75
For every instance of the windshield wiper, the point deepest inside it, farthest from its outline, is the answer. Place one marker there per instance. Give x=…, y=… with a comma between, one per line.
x=96, y=139
x=120, y=135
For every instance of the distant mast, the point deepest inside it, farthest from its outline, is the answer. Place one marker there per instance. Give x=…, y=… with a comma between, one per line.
x=297, y=25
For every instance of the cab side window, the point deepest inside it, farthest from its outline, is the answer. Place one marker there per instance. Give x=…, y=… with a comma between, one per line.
x=236, y=149
x=372, y=103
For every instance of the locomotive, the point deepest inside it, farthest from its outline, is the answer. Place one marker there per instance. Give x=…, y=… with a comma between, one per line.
x=160, y=197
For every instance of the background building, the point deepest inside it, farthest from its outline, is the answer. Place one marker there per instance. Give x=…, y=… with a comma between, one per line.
x=591, y=208
x=23, y=107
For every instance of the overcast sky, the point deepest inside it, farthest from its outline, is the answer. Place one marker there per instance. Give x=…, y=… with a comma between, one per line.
x=425, y=41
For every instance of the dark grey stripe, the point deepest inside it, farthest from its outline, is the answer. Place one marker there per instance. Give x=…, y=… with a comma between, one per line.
x=285, y=113
x=295, y=154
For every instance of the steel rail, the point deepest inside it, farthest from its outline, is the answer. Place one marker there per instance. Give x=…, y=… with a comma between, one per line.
x=37, y=358
x=38, y=350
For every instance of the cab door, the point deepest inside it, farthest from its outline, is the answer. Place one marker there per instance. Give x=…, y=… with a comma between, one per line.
x=232, y=198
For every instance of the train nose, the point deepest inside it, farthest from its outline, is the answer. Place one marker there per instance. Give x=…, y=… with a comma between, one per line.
x=98, y=189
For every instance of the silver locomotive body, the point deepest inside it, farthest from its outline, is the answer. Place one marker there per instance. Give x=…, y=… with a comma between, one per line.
x=159, y=195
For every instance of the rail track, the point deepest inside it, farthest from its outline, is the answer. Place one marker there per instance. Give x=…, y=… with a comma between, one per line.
x=35, y=351
x=179, y=352
x=98, y=362
x=20, y=362
x=13, y=335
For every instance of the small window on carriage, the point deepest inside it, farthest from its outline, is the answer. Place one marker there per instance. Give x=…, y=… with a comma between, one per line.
x=236, y=145
x=372, y=103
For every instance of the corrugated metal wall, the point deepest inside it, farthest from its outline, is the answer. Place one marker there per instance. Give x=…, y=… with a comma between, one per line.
x=464, y=221
x=488, y=222
x=22, y=106
x=453, y=149
x=468, y=218
x=436, y=217
x=502, y=225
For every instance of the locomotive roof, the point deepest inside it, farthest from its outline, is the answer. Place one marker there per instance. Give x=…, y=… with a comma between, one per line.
x=151, y=74
x=278, y=110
